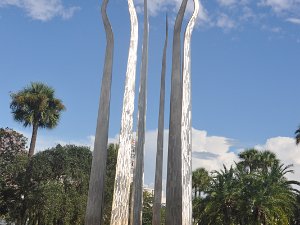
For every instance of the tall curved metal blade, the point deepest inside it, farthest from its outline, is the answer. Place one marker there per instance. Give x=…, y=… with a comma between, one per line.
x=120, y=206
x=186, y=132
x=94, y=211
x=174, y=177
x=138, y=180
x=156, y=220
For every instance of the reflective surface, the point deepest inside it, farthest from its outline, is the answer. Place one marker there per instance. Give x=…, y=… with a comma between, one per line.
x=95, y=202
x=119, y=215
x=174, y=176
x=160, y=139
x=138, y=180
x=186, y=132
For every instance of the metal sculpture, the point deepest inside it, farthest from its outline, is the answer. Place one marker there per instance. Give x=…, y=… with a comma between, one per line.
x=156, y=220
x=94, y=211
x=186, y=132
x=174, y=176
x=138, y=180
x=120, y=206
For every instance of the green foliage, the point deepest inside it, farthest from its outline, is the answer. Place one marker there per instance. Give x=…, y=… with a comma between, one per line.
x=50, y=188
x=58, y=182
x=112, y=156
x=254, y=191
x=13, y=162
x=148, y=199
x=201, y=181
x=36, y=106
x=12, y=186
x=11, y=142
x=109, y=188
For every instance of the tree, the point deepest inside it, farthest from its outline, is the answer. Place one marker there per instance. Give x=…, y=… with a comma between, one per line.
x=296, y=217
x=253, y=191
x=297, y=137
x=52, y=187
x=59, y=180
x=147, y=207
x=36, y=106
x=201, y=181
x=11, y=142
x=13, y=163
x=254, y=160
x=112, y=156
x=222, y=197
x=12, y=188
x=56, y=186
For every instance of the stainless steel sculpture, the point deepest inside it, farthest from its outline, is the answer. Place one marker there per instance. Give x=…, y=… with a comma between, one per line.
x=186, y=132
x=174, y=176
x=94, y=211
x=120, y=206
x=156, y=219
x=138, y=180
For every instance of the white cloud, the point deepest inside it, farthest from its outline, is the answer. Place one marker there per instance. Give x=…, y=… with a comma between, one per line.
x=43, y=10
x=247, y=14
x=293, y=20
x=287, y=151
x=224, y=22
x=227, y=2
x=272, y=29
x=210, y=152
x=278, y=5
x=157, y=6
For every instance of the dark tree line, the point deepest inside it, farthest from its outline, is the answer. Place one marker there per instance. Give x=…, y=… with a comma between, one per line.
x=48, y=188
x=51, y=187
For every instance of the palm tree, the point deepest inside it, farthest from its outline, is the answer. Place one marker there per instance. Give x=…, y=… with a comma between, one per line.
x=200, y=181
x=223, y=196
x=240, y=195
x=36, y=106
x=297, y=137
x=253, y=160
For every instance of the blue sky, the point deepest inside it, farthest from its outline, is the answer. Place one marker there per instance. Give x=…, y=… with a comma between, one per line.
x=245, y=68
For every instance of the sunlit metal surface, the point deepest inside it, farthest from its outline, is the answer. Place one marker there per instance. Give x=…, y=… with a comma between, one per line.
x=119, y=214
x=156, y=220
x=174, y=177
x=138, y=179
x=186, y=132
x=94, y=211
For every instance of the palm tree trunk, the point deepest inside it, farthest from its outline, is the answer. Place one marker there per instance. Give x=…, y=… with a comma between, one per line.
x=142, y=104
x=95, y=204
x=174, y=177
x=33, y=139
x=160, y=139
